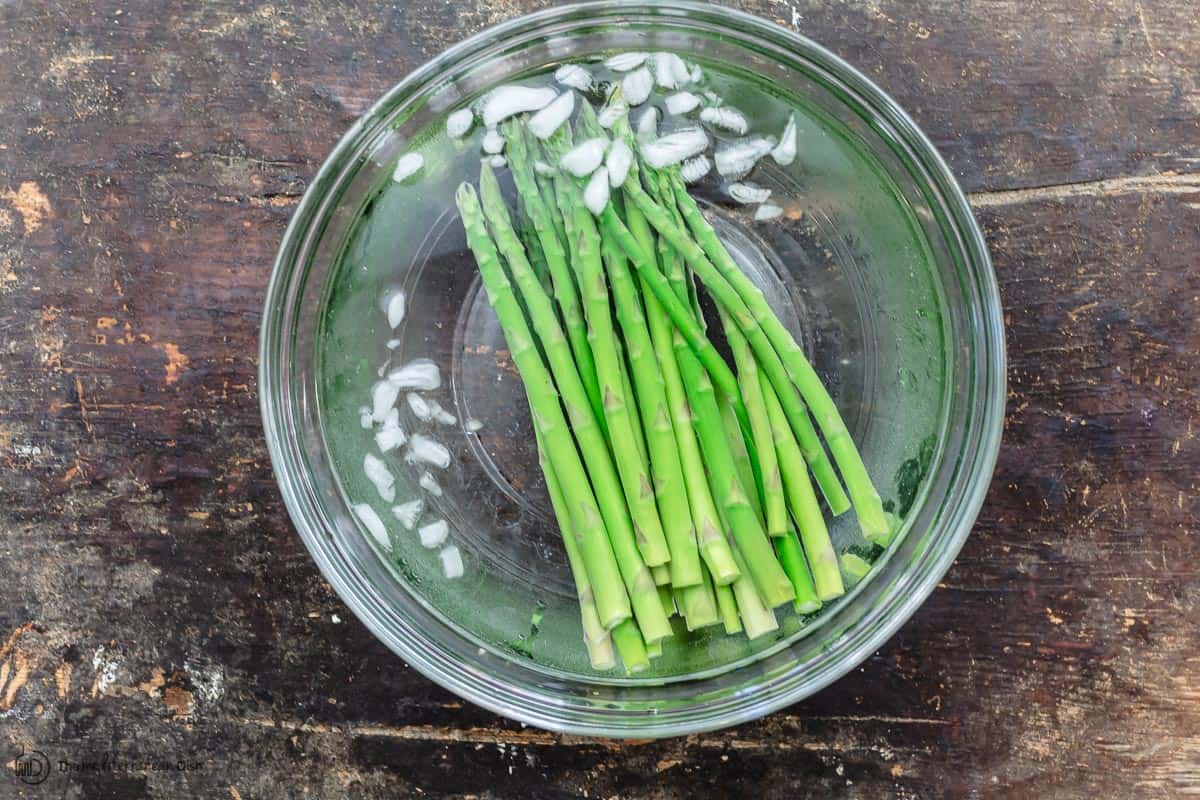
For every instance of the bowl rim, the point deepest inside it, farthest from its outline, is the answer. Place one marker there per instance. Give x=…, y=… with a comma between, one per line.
x=473, y=683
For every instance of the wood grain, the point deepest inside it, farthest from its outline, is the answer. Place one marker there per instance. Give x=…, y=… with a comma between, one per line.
x=157, y=603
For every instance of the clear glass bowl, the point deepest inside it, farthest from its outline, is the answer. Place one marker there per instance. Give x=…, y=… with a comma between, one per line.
x=878, y=267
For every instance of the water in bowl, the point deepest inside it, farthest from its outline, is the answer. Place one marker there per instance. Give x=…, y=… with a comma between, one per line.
x=846, y=267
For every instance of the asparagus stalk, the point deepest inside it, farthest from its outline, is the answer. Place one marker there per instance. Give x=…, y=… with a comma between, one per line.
x=680, y=314
x=710, y=603
x=616, y=519
x=588, y=264
x=753, y=471
x=659, y=368
x=727, y=606
x=528, y=235
x=769, y=361
x=631, y=647
x=662, y=575
x=894, y=524
x=721, y=375
x=791, y=558
x=686, y=293
x=697, y=607
x=757, y=618
x=612, y=602
x=667, y=599
x=555, y=256
x=706, y=524
x=731, y=497
x=635, y=421
x=774, y=504
x=650, y=394
x=564, y=199
x=566, y=193
x=639, y=492
x=639, y=436
x=853, y=567
x=760, y=619
x=669, y=485
x=803, y=502
x=545, y=185
x=595, y=636
x=867, y=504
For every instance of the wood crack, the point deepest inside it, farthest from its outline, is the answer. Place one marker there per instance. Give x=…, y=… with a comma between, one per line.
x=1167, y=183
x=533, y=737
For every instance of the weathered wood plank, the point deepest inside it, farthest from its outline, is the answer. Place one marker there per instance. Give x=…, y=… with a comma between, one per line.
x=1061, y=636
x=1013, y=98
x=154, y=590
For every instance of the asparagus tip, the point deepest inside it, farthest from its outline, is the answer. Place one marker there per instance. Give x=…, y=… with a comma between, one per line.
x=465, y=193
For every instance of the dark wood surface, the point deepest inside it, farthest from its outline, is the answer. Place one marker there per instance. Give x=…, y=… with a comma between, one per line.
x=157, y=604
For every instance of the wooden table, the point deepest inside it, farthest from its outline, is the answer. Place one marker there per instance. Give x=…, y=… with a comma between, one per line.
x=158, y=606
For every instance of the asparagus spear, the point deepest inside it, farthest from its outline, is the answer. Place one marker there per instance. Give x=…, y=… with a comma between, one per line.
x=764, y=571
x=757, y=618
x=867, y=504
x=658, y=369
x=698, y=606
x=667, y=599
x=669, y=488
x=774, y=504
x=803, y=502
x=632, y=648
x=528, y=235
x=545, y=185
x=660, y=435
x=564, y=198
x=588, y=264
x=713, y=546
x=595, y=636
x=791, y=558
x=770, y=482
x=854, y=568
x=760, y=619
x=654, y=649
x=566, y=193
x=635, y=422
x=612, y=602
x=727, y=605
x=555, y=256
x=644, y=262
x=635, y=573
x=733, y=432
x=706, y=524
x=680, y=314
x=712, y=614
x=731, y=497
x=769, y=361
x=639, y=493
x=764, y=465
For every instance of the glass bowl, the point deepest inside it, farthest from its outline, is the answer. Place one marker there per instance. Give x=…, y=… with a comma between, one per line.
x=877, y=266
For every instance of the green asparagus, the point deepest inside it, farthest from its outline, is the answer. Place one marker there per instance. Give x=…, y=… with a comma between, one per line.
x=616, y=518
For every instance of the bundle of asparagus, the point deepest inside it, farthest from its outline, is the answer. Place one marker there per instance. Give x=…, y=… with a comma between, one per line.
x=681, y=484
